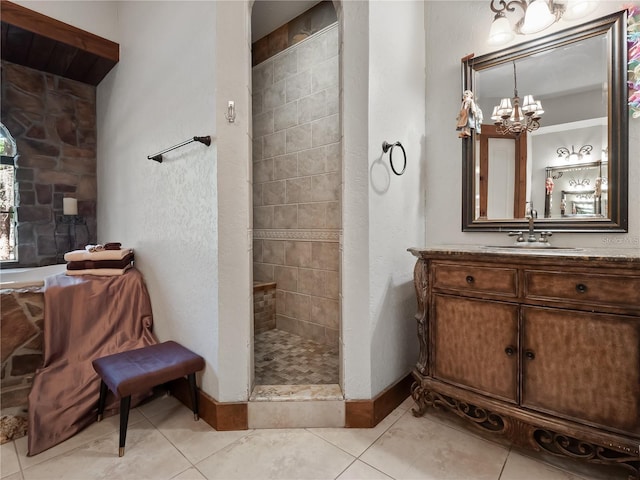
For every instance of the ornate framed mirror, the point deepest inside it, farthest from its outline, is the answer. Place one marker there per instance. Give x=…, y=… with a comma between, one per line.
x=580, y=77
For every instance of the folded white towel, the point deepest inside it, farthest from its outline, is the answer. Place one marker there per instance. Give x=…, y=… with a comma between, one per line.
x=101, y=272
x=82, y=255
x=94, y=248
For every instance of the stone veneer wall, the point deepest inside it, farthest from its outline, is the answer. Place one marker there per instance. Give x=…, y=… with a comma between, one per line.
x=297, y=180
x=264, y=307
x=53, y=120
x=297, y=184
x=21, y=340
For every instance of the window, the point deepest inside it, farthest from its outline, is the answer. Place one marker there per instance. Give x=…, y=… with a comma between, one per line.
x=8, y=151
x=7, y=224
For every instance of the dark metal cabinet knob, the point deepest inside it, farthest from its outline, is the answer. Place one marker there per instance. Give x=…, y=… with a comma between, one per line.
x=529, y=354
x=510, y=350
x=470, y=279
x=581, y=288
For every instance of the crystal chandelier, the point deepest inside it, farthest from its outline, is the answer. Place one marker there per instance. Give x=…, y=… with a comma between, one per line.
x=512, y=119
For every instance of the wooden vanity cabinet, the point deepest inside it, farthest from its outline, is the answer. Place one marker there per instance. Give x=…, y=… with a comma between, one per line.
x=582, y=366
x=542, y=349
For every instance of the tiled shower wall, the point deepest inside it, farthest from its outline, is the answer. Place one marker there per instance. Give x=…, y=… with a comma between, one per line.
x=297, y=180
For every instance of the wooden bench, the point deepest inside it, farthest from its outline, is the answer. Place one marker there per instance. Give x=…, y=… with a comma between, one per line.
x=139, y=370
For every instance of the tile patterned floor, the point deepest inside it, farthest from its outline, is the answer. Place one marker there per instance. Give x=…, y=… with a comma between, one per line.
x=164, y=442
x=282, y=358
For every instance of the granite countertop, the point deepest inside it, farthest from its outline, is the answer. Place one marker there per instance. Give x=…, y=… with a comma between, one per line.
x=607, y=254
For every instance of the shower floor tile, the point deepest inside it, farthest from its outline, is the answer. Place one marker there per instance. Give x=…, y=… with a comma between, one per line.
x=283, y=358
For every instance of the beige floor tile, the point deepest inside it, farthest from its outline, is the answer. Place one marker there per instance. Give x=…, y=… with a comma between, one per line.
x=276, y=454
x=420, y=448
x=356, y=440
x=196, y=440
x=408, y=403
x=149, y=455
x=361, y=471
x=9, y=459
x=14, y=476
x=519, y=467
x=580, y=469
x=92, y=432
x=445, y=417
x=190, y=474
x=158, y=405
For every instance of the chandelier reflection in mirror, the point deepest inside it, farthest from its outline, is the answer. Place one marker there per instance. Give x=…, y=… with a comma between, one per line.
x=512, y=119
x=537, y=15
x=574, y=157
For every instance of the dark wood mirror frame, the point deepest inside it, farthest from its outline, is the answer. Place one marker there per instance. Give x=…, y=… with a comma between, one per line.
x=618, y=129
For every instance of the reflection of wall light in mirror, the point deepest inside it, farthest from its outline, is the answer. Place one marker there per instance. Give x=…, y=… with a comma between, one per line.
x=574, y=157
x=536, y=16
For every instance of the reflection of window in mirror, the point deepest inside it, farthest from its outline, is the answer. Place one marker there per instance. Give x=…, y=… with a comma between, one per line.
x=501, y=172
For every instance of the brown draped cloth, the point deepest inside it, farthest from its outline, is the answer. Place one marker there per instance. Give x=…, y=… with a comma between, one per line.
x=86, y=317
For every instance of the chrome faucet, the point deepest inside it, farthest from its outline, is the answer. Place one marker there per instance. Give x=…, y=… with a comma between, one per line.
x=531, y=214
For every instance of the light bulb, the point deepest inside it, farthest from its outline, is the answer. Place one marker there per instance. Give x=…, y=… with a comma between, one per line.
x=537, y=17
x=500, y=32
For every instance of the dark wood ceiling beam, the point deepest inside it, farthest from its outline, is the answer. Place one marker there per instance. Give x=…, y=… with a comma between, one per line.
x=22, y=17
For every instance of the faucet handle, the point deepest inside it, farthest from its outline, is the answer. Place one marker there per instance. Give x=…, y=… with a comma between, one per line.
x=517, y=234
x=544, y=235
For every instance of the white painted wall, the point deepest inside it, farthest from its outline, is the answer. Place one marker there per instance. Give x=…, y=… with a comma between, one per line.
x=396, y=213
x=356, y=326
x=383, y=213
x=188, y=219
x=463, y=27
x=161, y=93
x=235, y=236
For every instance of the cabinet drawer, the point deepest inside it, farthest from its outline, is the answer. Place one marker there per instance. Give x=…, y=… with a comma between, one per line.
x=502, y=281
x=584, y=288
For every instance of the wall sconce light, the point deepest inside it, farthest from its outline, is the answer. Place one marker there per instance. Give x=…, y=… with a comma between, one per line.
x=573, y=156
x=537, y=15
x=512, y=119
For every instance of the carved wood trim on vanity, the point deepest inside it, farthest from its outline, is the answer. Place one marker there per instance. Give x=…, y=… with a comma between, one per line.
x=549, y=323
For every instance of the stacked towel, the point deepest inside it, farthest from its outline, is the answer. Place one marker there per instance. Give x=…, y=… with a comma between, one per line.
x=106, y=260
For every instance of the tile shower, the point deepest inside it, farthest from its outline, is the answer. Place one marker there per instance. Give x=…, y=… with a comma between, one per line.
x=297, y=168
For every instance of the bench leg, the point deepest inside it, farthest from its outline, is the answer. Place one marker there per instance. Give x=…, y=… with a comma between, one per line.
x=194, y=395
x=125, y=403
x=102, y=399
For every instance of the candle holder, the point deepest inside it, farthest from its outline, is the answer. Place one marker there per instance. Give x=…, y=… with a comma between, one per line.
x=71, y=222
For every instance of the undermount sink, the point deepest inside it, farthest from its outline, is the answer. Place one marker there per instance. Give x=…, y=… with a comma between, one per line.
x=530, y=246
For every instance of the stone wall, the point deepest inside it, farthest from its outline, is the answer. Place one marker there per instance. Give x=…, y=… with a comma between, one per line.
x=53, y=120
x=297, y=182
x=21, y=337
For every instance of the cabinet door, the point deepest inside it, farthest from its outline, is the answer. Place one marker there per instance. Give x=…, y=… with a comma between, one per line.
x=582, y=366
x=475, y=345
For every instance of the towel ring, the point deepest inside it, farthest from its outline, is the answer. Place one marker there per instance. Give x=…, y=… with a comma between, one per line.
x=386, y=147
